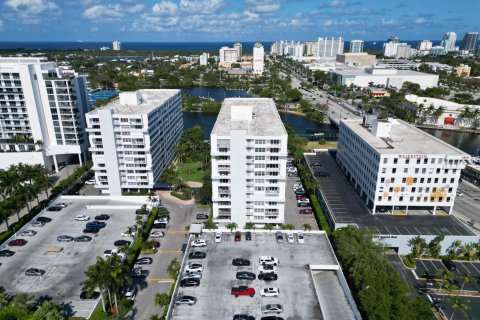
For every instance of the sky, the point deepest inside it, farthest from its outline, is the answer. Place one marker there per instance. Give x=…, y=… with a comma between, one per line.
x=234, y=20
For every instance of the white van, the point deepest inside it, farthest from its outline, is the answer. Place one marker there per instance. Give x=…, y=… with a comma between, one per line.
x=269, y=260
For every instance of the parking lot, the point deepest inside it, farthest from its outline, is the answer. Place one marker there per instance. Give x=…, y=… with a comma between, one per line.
x=291, y=210
x=428, y=269
x=64, y=262
x=297, y=290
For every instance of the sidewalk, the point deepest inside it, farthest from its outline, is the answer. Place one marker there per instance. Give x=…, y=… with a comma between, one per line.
x=62, y=174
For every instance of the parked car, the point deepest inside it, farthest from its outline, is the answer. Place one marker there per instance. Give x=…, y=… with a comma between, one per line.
x=189, y=282
x=248, y=235
x=82, y=217
x=96, y=224
x=243, y=291
x=290, y=238
x=17, y=243
x=54, y=208
x=449, y=264
x=144, y=260
x=300, y=237
x=139, y=273
x=89, y=295
x=303, y=204
x=269, y=260
x=297, y=186
x=157, y=234
x=129, y=233
x=202, y=216
x=164, y=219
x=272, y=308
x=194, y=267
x=130, y=292
x=6, y=253
x=44, y=219
x=102, y=217
x=91, y=230
x=301, y=198
x=37, y=224
x=122, y=243
x=267, y=268
x=192, y=275
x=61, y=204
x=90, y=182
x=240, y=262
x=267, y=276
x=279, y=237
x=271, y=318
x=218, y=237
x=83, y=239
x=34, y=272
x=190, y=300
x=245, y=275
x=65, y=238
x=243, y=317
x=28, y=233
x=238, y=236
x=270, y=292
x=199, y=243
x=305, y=211
x=159, y=225
x=197, y=255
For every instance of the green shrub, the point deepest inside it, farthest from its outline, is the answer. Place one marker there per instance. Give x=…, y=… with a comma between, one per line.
x=143, y=234
x=409, y=261
x=98, y=314
x=183, y=194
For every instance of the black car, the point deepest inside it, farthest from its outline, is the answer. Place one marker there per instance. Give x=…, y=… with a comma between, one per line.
x=243, y=317
x=144, y=260
x=160, y=225
x=202, y=216
x=121, y=243
x=248, y=235
x=268, y=276
x=96, y=224
x=6, y=253
x=449, y=264
x=34, y=272
x=83, y=239
x=43, y=219
x=246, y=275
x=300, y=193
x=102, y=217
x=54, y=208
x=91, y=230
x=89, y=295
x=197, y=255
x=139, y=273
x=271, y=318
x=240, y=262
x=189, y=282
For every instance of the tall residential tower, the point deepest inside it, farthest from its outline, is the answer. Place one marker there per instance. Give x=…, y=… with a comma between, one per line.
x=469, y=42
x=258, y=58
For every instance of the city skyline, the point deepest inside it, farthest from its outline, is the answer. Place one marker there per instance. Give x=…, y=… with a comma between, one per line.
x=220, y=20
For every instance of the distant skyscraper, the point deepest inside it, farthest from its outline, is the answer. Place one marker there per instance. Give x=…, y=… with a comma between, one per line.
x=356, y=46
x=228, y=55
x=258, y=58
x=469, y=41
x=424, y=45
x=448, y=41
x=329, y=48
x=238, y=46
x=117, y=45
x=393, y=39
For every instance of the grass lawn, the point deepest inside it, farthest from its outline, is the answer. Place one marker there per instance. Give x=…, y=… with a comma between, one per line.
x=315, y=145
x=191, y=171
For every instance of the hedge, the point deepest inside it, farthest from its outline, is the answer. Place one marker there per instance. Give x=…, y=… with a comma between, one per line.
x=185, y=194
x=409, y=261
x=319, y=214
x=141, y=238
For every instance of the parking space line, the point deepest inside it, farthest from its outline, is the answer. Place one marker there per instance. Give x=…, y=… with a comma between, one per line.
x=475, y=267
x=465, y=269
x=169, y=251
x=161, y=279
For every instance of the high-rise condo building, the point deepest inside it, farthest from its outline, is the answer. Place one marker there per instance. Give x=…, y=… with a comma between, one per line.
x=249, y=155
x=469, y=42
x=228, y=55
x=396, y=167
x=133, y=138
x=238, y=46
x=42, y=119
x=329, y=48
x=448, y=41
x=356, y=46
x=424, y=45
x=117, y=45
x=203, y=59
x=258, y=58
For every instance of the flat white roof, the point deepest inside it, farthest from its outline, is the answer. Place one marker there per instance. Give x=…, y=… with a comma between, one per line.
x=153, y=99
x=403, y=139
x=378, y=72
x=265, y=120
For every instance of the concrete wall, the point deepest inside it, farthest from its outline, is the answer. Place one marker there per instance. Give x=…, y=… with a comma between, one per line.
x=9, y=158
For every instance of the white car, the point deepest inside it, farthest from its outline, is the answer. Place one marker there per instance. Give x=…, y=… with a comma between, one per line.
x=297, y=186
x=270, y=292
x=199, y=243
x=218, y=237
x=130, y=292
x=300, y=237
x=290, y=238
x=82, y=217
x=459, y=194
x=194, y=267
x=268, y=260
x=292, y=170
x=157, y=234
x=90, y=182
x=267, y=268
x=128, y=233
x=61, y=204
x=192, y=275
x=108, y=253
x=304, y=201
x=28, y=233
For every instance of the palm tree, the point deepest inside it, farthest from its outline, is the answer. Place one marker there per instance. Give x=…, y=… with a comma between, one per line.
x=249, y=226
x=161, y=300
x=306, y=227
x=418, y=245
x=438, y=113
x=173, y=268
x=268, y=226
x=288, y=227
x=457, y=304
x=466, y=278
x=232, y=226
x=96, y=277
x=118, y=275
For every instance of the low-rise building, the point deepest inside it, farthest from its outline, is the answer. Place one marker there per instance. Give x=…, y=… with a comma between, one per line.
x=357, y=59
x=133, y=138
x=203, y=59
x=463, y=70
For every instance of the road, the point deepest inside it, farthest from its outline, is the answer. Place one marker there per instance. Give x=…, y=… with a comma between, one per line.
x=468, y=205
x=158, y=280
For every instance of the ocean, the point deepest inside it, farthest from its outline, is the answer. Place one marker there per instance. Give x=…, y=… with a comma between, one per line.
x=163, y=46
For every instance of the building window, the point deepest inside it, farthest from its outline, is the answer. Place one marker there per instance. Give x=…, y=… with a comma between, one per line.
x=407, y=161
x=385, y=160
x=394, y=170
x=401, y=199
x=395, y=161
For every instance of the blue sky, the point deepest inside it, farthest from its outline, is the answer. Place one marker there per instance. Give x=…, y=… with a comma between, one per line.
x=233, y=20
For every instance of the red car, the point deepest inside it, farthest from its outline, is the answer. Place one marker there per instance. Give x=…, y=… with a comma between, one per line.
x=243, y=291
x=306, y=211
x=301, y=197
x=238, y=236
x=17, y=242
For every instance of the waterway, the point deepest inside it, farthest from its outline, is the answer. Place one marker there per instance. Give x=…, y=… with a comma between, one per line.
x=468, y=142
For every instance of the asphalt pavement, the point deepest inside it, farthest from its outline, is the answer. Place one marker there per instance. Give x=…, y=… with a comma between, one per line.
x=468, y=204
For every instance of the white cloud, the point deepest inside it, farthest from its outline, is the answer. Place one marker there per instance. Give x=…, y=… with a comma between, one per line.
x=94, y=29
x=165, y=8
x=420, y=20
x=201, y=6
x=267, y=7
x=250, y=15
x=32, y=6
x=389, y=22
x=328, y=23
x=135, y=8
x=1, y=25
x=102, y=12
x=33, y=11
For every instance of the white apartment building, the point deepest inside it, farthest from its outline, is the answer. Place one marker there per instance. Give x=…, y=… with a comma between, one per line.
x=258, y=58
x=116, y=45
x=448, y=41
x=396, y=167
x=424, y=45
x=238, y=46
x=249, y=155
x=42, y=119
x=329, y=48
x=228, y=55
x=356, y=46
x=203, y=59
x=133, y=138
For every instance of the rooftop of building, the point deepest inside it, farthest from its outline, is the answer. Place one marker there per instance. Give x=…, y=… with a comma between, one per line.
x=23, y=60
x=138, y=102
x=349, y=71
x=258, y=116
x=402, y=139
